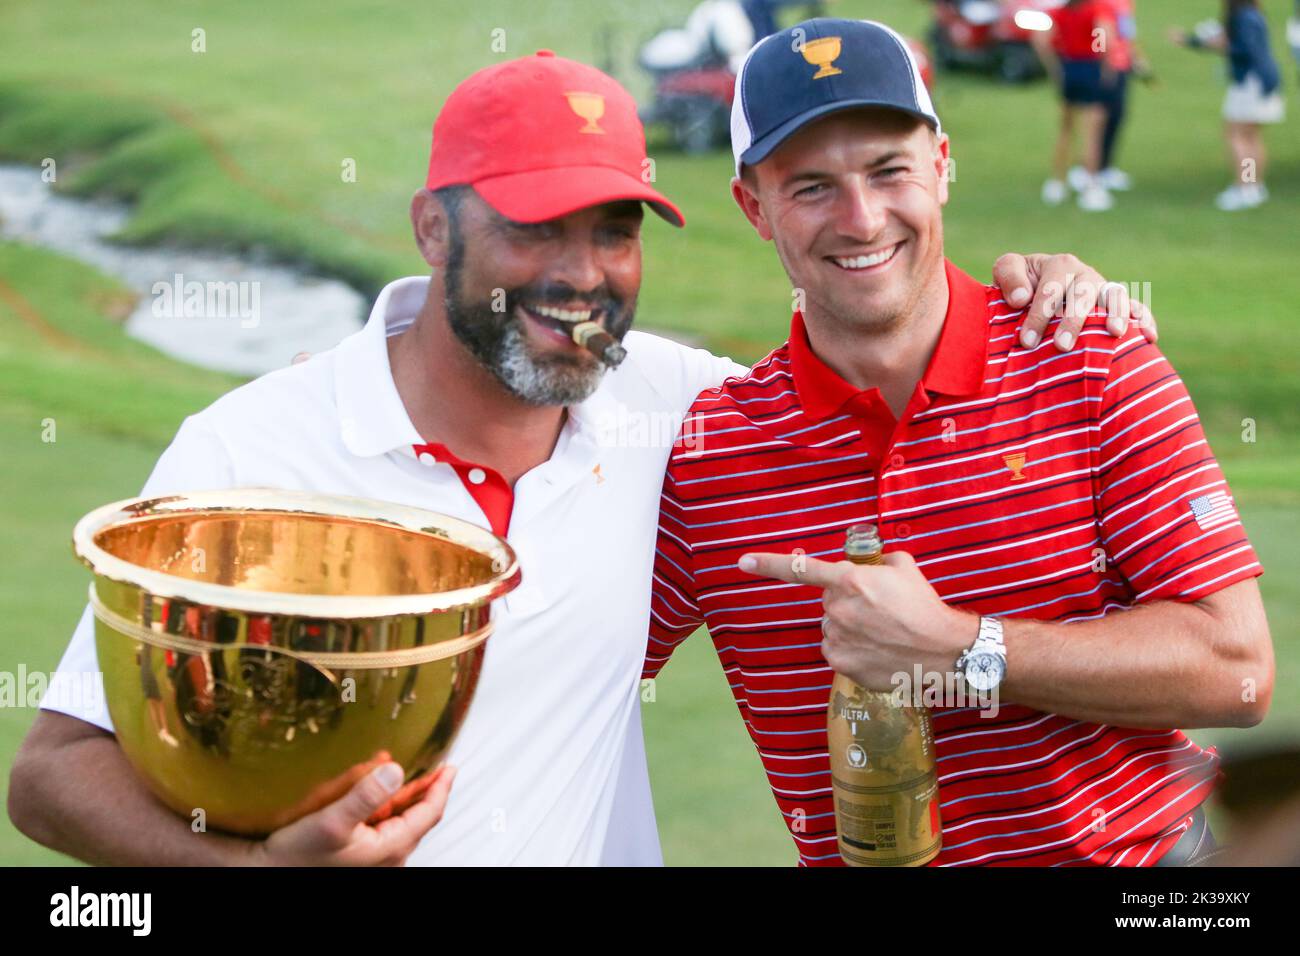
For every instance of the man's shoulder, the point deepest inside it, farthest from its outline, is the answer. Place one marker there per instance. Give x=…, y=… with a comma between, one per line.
x=659, y=370
x=650, y=348
x=1010, y=362
x=735, y=413
x=767, y=378
x=254, y=434
x=275, y=404
x=1098, y=374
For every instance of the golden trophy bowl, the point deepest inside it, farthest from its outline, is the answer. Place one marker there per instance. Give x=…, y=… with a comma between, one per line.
x=588, y=106
x=262, y=650
x=822, y=52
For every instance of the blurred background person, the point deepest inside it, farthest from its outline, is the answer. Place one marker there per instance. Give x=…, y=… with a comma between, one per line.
x=1128, y=62
x=1254, y=97
x=763, y=13
x=1293, y=32
x=1078, y=54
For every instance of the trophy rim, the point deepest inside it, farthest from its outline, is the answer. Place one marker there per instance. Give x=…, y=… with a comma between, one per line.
x=419, y=520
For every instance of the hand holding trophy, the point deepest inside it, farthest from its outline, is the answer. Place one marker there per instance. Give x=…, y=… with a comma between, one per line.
x=290, y=663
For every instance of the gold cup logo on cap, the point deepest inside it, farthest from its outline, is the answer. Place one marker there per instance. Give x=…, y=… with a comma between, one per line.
x=822, y=52
x=590, y=107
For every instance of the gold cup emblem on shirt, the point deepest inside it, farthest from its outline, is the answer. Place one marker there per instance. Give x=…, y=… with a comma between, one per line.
x=590, y=107
x=1016, y=462
x=822, y=53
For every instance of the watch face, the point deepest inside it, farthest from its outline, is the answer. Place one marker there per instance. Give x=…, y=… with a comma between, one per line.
x=984, y=671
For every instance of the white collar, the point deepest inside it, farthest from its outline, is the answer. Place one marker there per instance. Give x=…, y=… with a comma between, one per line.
x=372, y=418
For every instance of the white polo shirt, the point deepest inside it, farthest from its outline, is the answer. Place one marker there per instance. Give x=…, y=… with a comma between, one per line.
x=551, y=763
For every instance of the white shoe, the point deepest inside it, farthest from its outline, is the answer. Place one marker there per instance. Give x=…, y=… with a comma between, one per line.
x=1236, y=198
x=1115, y=179
x=1077, y=177
x=1054, y=192
x=1095, y=198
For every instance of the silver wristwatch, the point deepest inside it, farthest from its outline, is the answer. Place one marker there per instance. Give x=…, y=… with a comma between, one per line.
x=984, y=663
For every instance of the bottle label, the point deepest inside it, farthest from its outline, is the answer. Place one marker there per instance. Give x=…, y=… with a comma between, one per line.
x=883, y=778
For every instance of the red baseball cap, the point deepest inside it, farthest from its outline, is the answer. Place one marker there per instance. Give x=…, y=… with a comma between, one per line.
x=541, y=137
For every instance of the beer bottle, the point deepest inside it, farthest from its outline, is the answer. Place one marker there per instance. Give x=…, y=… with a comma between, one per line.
x=883, y=778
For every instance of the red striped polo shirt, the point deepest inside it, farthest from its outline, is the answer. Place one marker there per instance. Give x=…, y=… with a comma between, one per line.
x=1025, y=483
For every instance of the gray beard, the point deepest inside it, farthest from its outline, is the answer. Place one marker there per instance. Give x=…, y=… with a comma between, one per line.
x=546, y=382
x=499, y=344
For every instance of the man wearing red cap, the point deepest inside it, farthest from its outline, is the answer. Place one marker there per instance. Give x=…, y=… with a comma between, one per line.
x=465, y=393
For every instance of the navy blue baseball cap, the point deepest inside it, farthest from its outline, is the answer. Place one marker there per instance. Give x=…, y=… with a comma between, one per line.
x=818, y=67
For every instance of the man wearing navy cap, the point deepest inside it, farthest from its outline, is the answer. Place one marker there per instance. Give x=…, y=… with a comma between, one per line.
x=1057, y=532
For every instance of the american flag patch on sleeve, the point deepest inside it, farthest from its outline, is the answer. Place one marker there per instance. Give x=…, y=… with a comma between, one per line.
x=1213, y=510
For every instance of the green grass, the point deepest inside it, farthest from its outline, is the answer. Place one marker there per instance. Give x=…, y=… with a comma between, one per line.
x=242, y=146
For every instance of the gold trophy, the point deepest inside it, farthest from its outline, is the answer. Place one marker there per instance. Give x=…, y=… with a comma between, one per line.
x=883, y=777
x=262, y=650
x=590, y=107
x=822, y=52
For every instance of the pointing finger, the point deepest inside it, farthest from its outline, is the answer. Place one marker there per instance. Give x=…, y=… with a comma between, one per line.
x=792, y=568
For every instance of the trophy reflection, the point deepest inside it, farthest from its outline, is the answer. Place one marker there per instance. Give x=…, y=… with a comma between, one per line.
x=333, y=635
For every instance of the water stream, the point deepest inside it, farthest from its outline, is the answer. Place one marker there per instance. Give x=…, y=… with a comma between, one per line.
x=212, y=309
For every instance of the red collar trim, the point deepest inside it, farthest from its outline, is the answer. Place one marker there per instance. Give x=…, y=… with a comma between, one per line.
x=956, y=367
x=485, y=485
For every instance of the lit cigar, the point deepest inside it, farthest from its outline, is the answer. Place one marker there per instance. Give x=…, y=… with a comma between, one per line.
x=599, y=343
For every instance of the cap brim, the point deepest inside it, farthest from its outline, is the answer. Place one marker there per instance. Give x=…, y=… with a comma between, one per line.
x=761, y=148
x=541, y=194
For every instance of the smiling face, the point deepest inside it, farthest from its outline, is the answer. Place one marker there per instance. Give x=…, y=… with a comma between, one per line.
x=854, y=204
x=515, y=290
